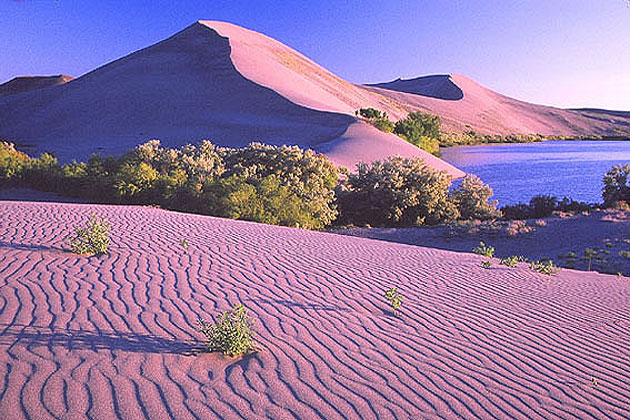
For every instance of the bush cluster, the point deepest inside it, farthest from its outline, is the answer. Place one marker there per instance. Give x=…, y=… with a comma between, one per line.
x=421, y=129
x=269, y=184
x=543, y=206
x=617, y=185
x=232, y=334
x=405, y=192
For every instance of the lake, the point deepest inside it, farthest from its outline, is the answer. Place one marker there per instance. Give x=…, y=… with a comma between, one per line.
x=517, y=172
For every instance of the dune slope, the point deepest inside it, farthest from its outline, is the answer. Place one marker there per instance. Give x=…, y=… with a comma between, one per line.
x=27, y=83
x=489, y=112
x=210, y=81
x=114, y=336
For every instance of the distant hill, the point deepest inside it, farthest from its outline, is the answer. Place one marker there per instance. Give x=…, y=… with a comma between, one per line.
x=489, y=112
x=438, y=86
x=27, y=83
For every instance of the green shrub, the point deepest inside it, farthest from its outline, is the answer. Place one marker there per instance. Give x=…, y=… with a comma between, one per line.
x=486, y=264
x=420, y=129
x=542, y=205
x=372, y=114
x=483, y=250
x=232, y=334
x=617, y=185
x=12, y=163
x=395, y=192
x=92, y=238
x=472, y=199
x=394, y=298
x=383, y=124
x=511, y=261
x=544, y=267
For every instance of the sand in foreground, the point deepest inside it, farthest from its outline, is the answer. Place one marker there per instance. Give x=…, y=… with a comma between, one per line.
x=111, y=337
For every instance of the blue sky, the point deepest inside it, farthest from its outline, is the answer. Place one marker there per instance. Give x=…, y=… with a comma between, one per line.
x=567, y=53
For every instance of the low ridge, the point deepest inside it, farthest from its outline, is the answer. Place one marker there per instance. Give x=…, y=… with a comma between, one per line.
x=27, y=83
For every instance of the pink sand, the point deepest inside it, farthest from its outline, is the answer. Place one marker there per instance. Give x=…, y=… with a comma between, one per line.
x=111, y=337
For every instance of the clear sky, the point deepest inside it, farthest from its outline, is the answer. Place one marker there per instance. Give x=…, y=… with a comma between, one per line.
x=568, y=53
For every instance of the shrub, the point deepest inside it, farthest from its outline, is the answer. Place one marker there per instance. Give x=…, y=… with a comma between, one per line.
x=394, y=298
x=383, y=124
x=509, y=261
x=12, y=163
x=395, y=192
x=372, y=114
x=544, y=267
x=232, y=334
x=617, y=185
x=420, y=129
x=92, y=238
x=486, y=264
x=472, y=200
x=542, y=206
x=483, y=250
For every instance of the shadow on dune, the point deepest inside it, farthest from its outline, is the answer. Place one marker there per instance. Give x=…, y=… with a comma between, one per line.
x=94, y=340
x=27, y=247
x=306, y=306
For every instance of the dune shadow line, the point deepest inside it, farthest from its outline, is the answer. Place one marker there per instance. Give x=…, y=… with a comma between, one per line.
x=95, y=340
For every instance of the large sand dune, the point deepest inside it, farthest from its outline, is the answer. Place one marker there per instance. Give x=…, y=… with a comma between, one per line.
x=212, y=81
x=489, y=112
x=113, y=336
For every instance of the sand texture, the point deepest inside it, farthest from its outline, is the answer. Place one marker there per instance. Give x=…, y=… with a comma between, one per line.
x=114, y=336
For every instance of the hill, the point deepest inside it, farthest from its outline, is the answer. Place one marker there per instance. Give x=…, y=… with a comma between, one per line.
x=28, y=83
x=115, y=336
x=488, y=112
x=214, y=81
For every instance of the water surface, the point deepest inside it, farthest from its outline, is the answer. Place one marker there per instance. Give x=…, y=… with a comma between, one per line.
x=517, y=172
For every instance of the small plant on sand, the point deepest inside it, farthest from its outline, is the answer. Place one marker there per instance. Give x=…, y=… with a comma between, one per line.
x=544, y=267
x=482, y=249
x=511, y=261
x=233, y=333
x=184, y=243
x=589, y=254
x=394, y=298
x=486, y=264
x=92, y=238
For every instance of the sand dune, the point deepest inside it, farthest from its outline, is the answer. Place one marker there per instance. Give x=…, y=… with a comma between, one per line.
x=210, y=81
x=489, y=112
x=111, y=337
x=27, y=83
x=440, y=86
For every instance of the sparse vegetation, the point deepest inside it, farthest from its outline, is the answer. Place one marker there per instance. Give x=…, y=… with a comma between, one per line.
x=232, y=334
x=484, y=250
x=545, y=267
x=422, y=130
x=91, y=238
x=617, y=185
x=486, y=264
x=394, y=298
x=512, y=261
x=184, y=244
x=377, y=118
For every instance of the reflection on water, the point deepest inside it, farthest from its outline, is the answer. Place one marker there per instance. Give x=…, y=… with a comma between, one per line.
x=517, y=172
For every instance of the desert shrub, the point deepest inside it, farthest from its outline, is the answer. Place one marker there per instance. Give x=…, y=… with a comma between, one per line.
x=264, y=200
x=420, y=129
x=383, y=124
x=569, y=205
x=394, y=298
x=511, y=261
x=544, y=267
x=300, y=175
x=542, y=206
x=12, y=163
x=372, y=114
x=395, y=192
x=91, y=238
x=232, y=334
x=472, y=199
x=486, y=264
x=484, y=250
x=617, y=185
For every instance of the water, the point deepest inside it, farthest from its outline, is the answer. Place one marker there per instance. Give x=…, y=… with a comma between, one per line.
x=517, y=172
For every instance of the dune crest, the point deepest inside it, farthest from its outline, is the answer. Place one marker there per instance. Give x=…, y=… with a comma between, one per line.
x=27, y=83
